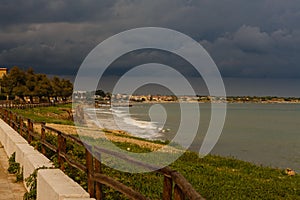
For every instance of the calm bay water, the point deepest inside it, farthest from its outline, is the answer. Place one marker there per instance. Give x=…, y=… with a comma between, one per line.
x=267, y=134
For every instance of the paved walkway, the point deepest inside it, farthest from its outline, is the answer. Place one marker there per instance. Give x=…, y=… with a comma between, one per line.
x=9, y=189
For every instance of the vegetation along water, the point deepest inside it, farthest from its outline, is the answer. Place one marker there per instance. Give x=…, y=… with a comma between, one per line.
x=213, y=177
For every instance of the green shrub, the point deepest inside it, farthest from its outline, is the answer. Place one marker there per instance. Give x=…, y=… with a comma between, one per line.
x=31, y=182
x=14, y=167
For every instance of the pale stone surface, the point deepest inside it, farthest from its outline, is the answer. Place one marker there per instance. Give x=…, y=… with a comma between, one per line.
x=9, y=138
x=2, y=132
x=53, y=184
x=12, y=140
x=4, y=125
x=35, y=161
x=23, y=150
x=9, y=189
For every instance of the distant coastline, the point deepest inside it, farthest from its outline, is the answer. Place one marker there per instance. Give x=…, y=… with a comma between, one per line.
x=117, y=99
x=102, y=98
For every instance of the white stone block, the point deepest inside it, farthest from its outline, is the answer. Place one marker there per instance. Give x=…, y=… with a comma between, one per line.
x=9, y=138
x=32, y=162
x=4, y=125
x=53, y=184
x=12, y=139
x=23, y=150
x=2, y=132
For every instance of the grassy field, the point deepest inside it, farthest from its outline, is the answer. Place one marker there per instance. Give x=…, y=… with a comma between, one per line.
x=214, y=177
x=53, y=114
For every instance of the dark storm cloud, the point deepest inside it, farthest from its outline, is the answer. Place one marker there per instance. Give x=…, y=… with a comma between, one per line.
x=250, y=52
x=136, y=58
x=41, y=11
x=259, y=38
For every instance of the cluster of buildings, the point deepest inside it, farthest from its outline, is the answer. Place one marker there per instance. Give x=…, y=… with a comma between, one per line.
x=120, y=98
x=3, y=71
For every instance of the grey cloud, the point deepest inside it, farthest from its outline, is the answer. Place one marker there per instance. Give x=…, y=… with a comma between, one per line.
x=245, y=38
x=50, y=47
x=251, y=39
x=249, y=52
x=39, y=11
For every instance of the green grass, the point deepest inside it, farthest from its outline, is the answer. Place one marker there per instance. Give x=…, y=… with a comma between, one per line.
x=214, y=177
x=52, y=114
x=227, y=178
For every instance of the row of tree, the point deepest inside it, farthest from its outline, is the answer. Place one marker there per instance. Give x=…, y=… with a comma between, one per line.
x=28, y=85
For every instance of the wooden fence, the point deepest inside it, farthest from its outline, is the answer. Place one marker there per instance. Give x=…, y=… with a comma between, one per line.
x=12, y=104
x=175, y=186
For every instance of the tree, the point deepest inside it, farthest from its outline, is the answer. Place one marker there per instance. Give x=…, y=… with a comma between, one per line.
x=61, y=88
x=55, y=84
x=67, y=89
x=13, y=83
x=43, y=88
x=100, y=93
x=28, y=84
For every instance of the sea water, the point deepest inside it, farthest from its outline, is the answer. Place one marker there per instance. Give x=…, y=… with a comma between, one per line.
x=266, y=134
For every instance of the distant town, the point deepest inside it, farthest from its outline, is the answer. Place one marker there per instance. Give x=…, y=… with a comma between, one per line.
x=105, y=98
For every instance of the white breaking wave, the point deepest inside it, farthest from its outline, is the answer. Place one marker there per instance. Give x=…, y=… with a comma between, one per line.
x=119, y=119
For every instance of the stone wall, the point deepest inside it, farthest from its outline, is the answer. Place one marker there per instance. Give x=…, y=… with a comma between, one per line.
x=52, y=184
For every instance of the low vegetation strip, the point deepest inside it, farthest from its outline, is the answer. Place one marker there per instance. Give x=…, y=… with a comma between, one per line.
x=214, y=177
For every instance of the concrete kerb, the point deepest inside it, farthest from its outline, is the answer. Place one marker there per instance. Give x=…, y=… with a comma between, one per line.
x=9, y=138
x=12, y=140
x=22, y=150
x=49, y=181
x=33, y=162
x=2, y=133
x=54, y=184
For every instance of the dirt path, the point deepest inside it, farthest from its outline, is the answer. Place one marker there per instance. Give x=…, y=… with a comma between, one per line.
x=9, y=189
x=96, y=133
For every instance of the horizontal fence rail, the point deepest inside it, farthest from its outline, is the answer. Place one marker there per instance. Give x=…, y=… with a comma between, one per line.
x=175, y=186
x=13, y=104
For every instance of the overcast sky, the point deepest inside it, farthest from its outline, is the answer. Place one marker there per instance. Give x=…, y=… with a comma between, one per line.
x=258, y=39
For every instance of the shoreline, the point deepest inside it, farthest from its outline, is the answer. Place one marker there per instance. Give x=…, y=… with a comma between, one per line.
x=152, y=145
x=114, y=136
x=131, y=103
x=133, y=99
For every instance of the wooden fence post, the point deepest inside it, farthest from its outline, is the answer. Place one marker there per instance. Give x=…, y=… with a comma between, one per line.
x=168, y=186
x=30, y=130
x=90, y=171
x=98, y=186
x=43, y=137
x=12, y=121
x=11, y=118
x=61, y=148
x=6, y=117
x=15, y=122
x=178, y=194
x=21, y=125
